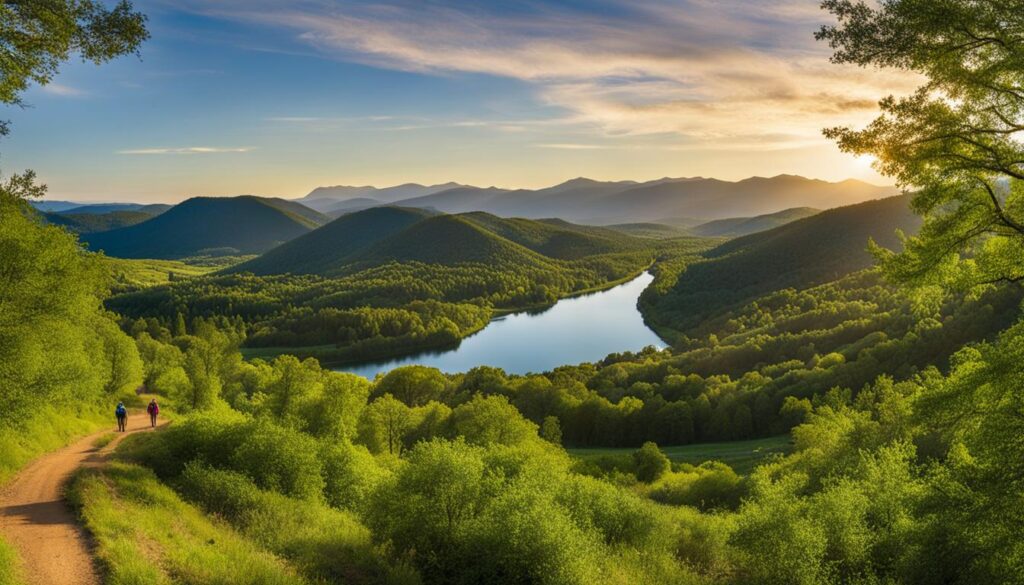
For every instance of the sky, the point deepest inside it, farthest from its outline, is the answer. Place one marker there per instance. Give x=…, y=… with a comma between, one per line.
x=275, y=98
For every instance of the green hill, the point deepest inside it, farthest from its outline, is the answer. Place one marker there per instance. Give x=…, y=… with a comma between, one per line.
x=657, y=231
x=329, y=247
x=800, y=254
x=742, y=226
x=396, y=234
x=87, y=223
x=555, y=238
x=449, y=240
x=234, y=225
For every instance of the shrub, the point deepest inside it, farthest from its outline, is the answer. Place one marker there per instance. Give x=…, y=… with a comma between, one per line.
x=650, y=463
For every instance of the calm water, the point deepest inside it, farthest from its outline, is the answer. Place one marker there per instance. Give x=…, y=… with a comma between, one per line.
x=579, y=329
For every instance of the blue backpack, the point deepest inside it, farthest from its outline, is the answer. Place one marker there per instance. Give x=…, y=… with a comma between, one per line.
x=121, y=410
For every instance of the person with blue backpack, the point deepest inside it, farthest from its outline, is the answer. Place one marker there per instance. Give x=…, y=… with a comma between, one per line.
x=122, y=417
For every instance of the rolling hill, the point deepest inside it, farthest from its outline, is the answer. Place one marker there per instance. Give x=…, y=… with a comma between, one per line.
x=656, y=231
x=800, y=254
x=391, y=234
x=449, y=240
x=87, y=223
x=331, y=246
x=743, y=226
x=229, y=225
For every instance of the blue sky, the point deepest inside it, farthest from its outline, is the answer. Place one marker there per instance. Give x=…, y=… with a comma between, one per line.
x=276, y=98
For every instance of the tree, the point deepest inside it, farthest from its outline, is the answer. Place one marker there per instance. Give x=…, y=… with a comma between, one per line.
x=650, y=463
x=955, y=141
x=384, y=424
x=336, y=413
x=491, y=419
x=551, y=430
x=36, y=37
x=413, y=385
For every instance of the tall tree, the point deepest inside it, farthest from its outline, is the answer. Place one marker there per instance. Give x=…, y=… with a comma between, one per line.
x=955, y=141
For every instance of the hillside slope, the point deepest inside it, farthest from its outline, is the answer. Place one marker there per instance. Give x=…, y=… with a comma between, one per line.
x=380, y=235
x=449, y=240
x=330, y=247
x=235, y=225
x=800, y=254
x=743, y=226
x=86, y=223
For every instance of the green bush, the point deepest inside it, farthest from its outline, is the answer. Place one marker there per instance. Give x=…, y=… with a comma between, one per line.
x=708, y=486
x=649, y=463
x=321, y=542
x=279, y=459
x=351, y=474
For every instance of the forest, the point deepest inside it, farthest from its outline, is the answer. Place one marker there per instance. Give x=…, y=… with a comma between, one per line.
x=896, y=373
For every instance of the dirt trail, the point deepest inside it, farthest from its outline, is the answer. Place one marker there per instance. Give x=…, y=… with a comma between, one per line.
x=35, y=519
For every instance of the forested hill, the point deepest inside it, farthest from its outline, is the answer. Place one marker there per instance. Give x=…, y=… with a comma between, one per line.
x=329, y=247
x=744, y=226
x=382, y=235
x=800, y=254
x=245, y=225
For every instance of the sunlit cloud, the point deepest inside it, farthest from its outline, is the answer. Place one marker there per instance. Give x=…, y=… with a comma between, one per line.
x=714, y=71
x=572, y=146
x=186, y=150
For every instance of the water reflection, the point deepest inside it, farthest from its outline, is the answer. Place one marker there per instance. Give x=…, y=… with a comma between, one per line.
x=579, y=329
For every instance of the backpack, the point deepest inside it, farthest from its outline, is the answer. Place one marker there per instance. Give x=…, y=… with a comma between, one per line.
x=121, y=411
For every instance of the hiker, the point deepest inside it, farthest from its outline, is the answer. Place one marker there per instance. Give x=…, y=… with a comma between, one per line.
x=153, y=409
x=122, y=417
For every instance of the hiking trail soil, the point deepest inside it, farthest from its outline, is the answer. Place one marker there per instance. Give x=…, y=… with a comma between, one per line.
x=37, y=522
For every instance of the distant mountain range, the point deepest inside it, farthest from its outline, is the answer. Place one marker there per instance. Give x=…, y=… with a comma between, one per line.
x=251, y=225
x=596, y=202
x=228, y=225
x=377, y=236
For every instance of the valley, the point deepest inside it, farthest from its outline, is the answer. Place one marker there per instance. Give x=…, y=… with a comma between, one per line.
x=437, y=362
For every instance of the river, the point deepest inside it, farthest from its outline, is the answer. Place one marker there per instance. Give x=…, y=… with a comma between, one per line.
x=578, y=329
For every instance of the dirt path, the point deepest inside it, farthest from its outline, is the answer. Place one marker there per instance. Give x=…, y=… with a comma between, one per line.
x=35, y=519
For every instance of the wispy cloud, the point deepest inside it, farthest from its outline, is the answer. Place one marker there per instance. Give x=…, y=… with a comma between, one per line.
x=718, y=71
x=187, y=150
x=572, y=146
x=61, y=90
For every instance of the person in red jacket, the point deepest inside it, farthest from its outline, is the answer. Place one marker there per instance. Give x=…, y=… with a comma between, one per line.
x=153, y=409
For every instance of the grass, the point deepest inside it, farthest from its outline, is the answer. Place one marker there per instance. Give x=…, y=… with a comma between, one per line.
x=742, y=456
x=104, y=440
x=48, y=430
x=143, y=273
x=145, y=534
x=10, y=570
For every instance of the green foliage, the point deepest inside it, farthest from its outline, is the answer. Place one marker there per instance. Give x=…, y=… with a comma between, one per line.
x=322, y=543
x=57, y=345
x=413, y=385
x=414, y=283
x=491, y=420
x=801, y=254
x=708, y=486
x=551, y=430
x=10, y=568
x=145, y=533
x=650, y=463
x=955, y=140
